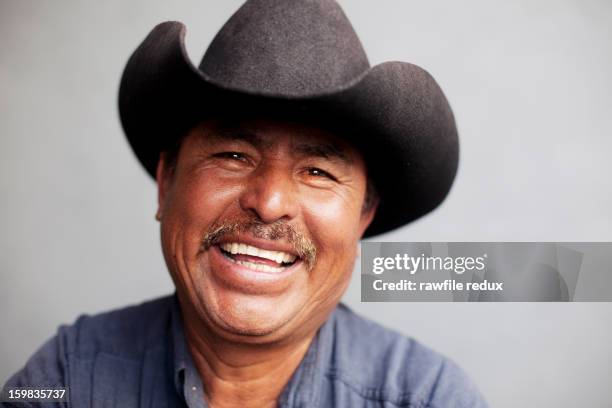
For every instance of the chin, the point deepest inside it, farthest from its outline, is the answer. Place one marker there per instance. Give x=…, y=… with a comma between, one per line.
x=252, y=315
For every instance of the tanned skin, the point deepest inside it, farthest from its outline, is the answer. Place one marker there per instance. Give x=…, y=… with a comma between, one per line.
x=278, y=186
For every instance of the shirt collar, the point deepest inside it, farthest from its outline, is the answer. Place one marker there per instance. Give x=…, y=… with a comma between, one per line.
x=187, y=382
x=302, y=390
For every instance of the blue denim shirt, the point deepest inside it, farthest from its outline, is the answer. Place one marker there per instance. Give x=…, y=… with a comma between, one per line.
x=138, y=357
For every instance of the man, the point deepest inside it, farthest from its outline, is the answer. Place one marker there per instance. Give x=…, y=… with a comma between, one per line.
x=272, y=160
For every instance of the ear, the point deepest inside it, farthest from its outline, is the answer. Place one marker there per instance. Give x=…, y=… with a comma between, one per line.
x=163, y=177
x=366, y=217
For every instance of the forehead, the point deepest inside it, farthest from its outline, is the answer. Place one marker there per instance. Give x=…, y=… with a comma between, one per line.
x=301, y=138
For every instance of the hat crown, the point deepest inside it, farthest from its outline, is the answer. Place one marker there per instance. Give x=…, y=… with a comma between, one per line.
x=286, y=47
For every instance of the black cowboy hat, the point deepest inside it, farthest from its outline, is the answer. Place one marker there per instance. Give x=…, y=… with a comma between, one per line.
x=299, y=59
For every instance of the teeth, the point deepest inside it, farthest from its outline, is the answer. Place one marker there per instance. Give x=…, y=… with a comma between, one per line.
x=276, y=256
x=260, y=267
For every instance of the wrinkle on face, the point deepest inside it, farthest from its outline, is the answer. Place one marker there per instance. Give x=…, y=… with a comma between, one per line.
x=281, y=182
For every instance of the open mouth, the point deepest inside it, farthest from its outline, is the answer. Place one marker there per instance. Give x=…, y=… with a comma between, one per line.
x=258, y=259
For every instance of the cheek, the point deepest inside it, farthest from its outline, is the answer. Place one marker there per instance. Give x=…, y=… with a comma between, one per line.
x=333, y=225
x=333, y=219
x=333, y=222
x=193, y=204
x=204, y=195
x=198, y=200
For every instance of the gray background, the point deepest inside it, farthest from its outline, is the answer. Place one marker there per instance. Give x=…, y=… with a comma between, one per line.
x=530, y=85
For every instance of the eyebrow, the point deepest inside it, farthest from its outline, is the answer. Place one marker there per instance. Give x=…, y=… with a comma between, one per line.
x=325, y=150
x=229, y=132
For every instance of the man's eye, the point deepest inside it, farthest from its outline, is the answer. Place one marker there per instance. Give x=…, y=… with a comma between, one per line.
x=313, y=171
x=231, y=155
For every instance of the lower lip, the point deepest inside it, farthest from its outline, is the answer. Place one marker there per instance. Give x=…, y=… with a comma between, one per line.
x=245, y=279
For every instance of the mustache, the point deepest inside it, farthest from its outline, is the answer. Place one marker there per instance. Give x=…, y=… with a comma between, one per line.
x=279, y=229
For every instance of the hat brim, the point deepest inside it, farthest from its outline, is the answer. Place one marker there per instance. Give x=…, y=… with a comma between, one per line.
x=396, y=114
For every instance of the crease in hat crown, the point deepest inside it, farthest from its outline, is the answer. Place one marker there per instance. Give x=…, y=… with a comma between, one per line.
x=290, y=47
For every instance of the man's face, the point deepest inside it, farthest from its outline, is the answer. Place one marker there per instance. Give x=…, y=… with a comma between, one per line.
x=260, y=223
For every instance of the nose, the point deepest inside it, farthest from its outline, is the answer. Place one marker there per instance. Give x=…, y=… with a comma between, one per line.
x=271, y=194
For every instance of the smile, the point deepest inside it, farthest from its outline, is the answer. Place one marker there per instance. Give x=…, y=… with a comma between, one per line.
x=258, y=259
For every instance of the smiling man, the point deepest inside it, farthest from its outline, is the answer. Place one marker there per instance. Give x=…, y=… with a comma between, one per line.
x=272, y=160
x=246, y=212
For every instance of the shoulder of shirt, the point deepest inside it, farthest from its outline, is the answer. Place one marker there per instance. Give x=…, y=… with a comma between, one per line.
x=125, y=332
x=384, y=365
